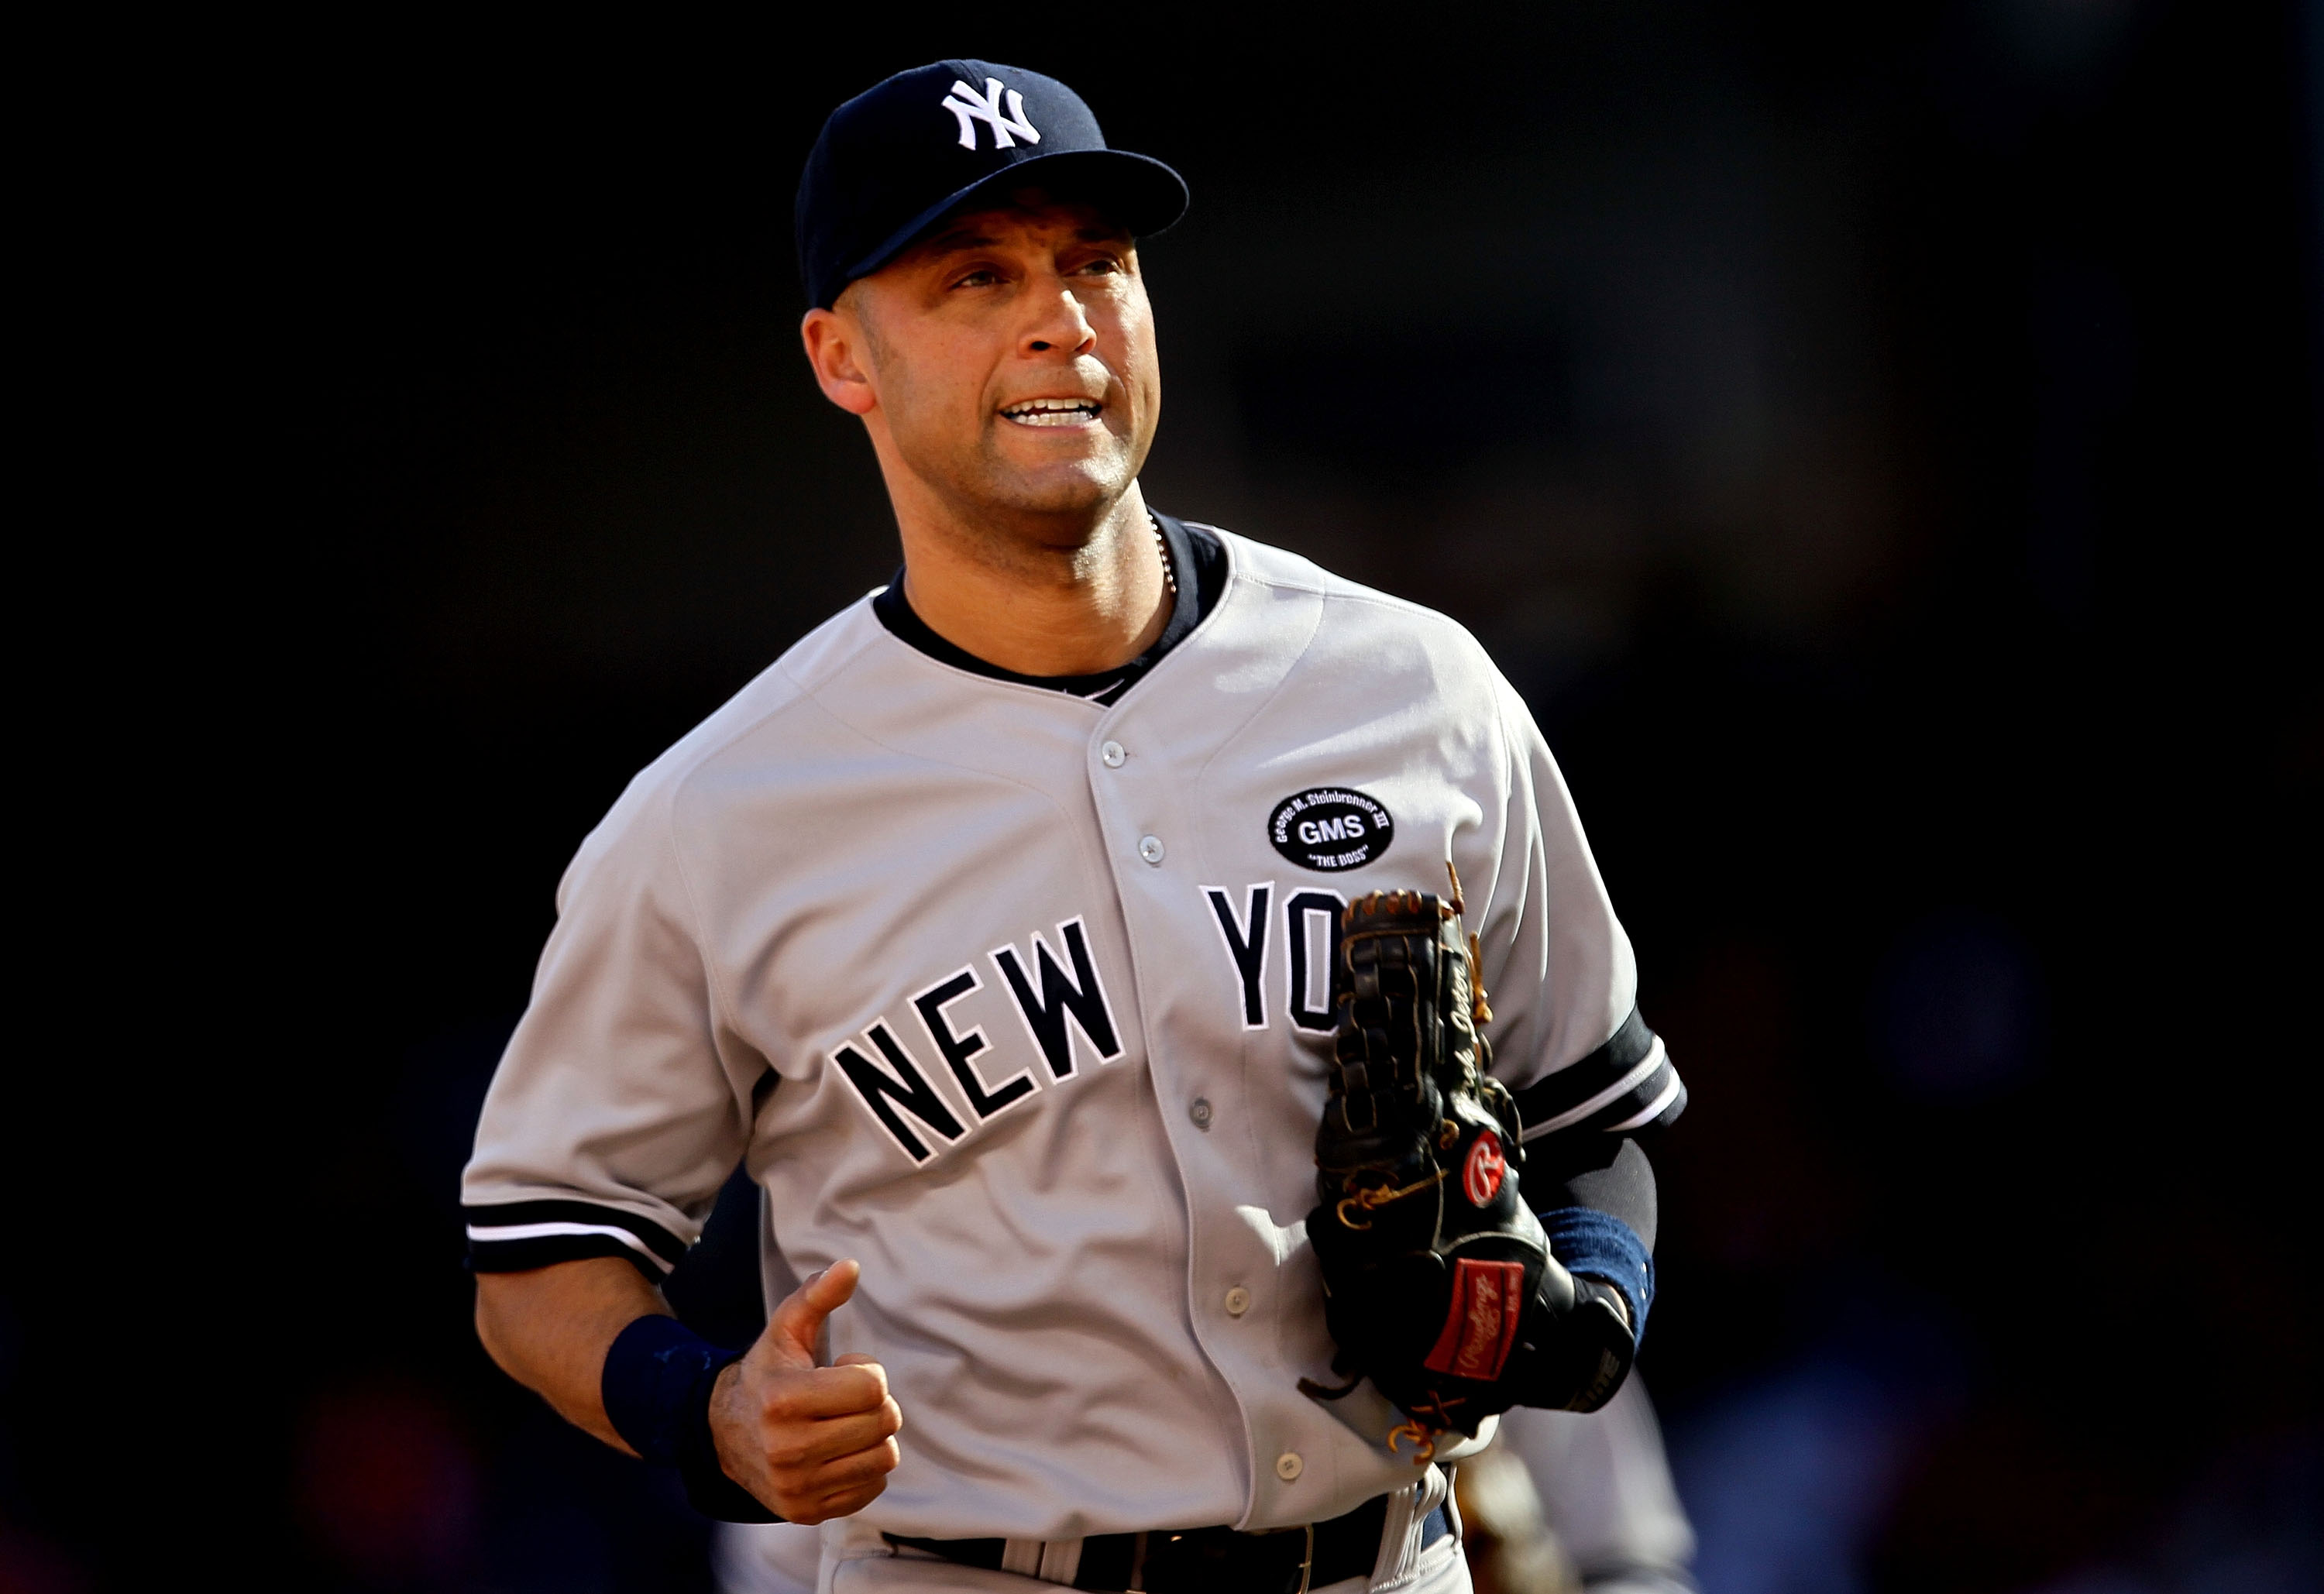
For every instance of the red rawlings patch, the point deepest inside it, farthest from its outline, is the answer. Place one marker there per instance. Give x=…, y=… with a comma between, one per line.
x=1480, y=1328
x=1480, y=1175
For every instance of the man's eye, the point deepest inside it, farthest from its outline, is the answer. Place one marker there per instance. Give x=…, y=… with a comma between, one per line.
x=1101, y=267
x=977, y=278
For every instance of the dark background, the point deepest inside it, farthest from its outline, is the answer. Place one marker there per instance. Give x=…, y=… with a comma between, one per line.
x=1882, y=442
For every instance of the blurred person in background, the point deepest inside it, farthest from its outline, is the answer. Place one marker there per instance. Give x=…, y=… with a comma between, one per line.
x=1578, y=1501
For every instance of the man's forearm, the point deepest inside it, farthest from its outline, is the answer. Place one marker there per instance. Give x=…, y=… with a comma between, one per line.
x=1607, y=1172
x=549, y=1327
x=1576, y=1183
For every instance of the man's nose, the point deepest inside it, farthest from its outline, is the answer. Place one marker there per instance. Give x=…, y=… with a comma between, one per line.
x=1058, y=326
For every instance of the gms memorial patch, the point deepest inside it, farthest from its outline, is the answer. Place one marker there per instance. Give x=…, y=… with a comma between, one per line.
x=1330, y=828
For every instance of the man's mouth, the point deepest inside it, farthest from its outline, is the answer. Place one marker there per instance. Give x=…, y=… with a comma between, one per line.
x=1054, y=412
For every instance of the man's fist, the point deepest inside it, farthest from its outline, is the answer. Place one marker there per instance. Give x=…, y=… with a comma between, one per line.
x=811, y=1442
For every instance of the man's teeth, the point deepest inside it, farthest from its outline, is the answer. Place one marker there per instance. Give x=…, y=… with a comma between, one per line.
x=1053, y=411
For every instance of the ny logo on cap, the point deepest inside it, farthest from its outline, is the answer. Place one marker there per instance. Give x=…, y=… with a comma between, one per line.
x=970, y=107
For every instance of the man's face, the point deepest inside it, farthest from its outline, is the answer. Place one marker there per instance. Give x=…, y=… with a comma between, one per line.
x=1010, y=359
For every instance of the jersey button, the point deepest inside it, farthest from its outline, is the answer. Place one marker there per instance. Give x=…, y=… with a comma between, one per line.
x=1111, y=753
x=1149, y=847
x=1238, y=1301
x=1288, y=1465
x=1201, y=1112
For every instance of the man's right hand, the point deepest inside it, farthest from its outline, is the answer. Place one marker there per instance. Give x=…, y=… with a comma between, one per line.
x=811, y=1442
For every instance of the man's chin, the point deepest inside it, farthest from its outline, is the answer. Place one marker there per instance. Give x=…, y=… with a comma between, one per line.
x=1088, y=489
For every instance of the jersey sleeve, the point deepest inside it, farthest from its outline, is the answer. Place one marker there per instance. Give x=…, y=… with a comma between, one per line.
x=1568, y=1039
x=622, y=1101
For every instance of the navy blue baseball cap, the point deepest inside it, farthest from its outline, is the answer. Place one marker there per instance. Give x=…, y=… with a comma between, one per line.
x=902, y=156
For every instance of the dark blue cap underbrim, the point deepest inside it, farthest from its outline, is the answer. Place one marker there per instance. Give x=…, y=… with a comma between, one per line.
x=1138, y=192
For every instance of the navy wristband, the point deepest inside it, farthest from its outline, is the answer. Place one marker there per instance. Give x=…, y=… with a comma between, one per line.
x=657, y=1384
x=1584, y=1239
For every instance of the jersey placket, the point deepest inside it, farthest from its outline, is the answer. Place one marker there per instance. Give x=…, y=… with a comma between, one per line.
x=1142, y=763
x=1137, y=782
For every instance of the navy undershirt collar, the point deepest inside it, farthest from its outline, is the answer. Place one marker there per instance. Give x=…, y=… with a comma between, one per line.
x=1198, y=559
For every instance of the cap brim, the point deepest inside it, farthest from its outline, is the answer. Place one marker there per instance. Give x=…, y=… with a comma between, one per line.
x=1139, y=192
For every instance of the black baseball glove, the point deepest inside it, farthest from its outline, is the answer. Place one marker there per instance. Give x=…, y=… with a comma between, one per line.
x=1439, y=1284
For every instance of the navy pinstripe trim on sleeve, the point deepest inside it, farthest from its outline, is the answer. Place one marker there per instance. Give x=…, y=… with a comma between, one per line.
x=517, y=1235
x=1621, y=1088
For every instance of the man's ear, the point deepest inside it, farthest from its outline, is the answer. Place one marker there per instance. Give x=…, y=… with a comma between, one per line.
x=836, y=347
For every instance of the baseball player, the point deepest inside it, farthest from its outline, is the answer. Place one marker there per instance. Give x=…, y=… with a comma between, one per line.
x=1073, y=939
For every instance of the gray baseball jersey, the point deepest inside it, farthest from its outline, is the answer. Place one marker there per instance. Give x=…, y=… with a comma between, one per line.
x=1022, y=999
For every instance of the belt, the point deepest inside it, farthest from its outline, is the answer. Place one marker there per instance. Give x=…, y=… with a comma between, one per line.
x=1208, y=1559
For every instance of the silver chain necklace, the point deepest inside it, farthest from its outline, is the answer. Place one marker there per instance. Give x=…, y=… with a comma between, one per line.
x=1162, y=547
